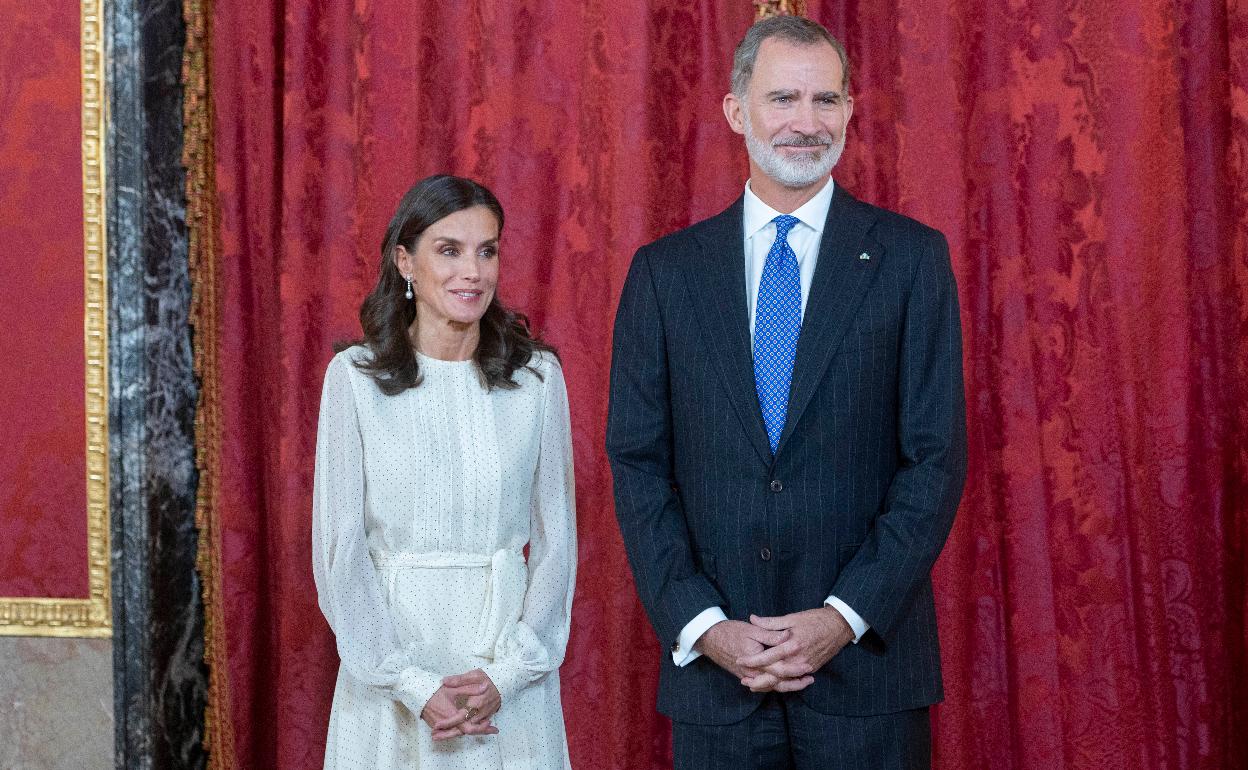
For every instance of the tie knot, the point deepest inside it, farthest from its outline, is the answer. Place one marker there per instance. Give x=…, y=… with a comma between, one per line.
x=784, y=223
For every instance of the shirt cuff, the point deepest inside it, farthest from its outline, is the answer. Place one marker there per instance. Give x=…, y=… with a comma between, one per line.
x=683, y=653
x=854, y=620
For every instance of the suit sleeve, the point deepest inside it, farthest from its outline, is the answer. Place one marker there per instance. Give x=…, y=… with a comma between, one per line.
x=639, y=444
x=896, y=558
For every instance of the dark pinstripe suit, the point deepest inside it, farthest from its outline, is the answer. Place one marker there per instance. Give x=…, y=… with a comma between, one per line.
x=862, y=490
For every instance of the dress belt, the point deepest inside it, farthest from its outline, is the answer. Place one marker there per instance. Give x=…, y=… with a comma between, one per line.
x=504, y=598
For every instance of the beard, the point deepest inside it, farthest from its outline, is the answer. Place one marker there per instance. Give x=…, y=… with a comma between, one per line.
x=793, y=172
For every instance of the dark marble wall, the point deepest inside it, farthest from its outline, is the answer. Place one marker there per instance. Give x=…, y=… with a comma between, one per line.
x=159, y=678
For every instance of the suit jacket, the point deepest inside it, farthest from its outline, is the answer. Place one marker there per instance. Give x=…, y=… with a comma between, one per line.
x=862, y=490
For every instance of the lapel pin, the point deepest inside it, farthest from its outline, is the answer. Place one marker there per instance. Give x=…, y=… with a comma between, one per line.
x=864, y=255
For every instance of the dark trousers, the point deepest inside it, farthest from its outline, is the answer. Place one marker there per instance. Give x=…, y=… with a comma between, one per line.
x=786, y=734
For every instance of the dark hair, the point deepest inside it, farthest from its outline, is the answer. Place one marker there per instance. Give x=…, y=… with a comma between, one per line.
x=505, y=344
x=794, y=29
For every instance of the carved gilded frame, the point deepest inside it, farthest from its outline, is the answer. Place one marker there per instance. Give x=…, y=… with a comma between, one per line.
x=93, y=616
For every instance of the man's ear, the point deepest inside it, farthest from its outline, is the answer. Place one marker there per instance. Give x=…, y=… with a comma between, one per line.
x=732, y=111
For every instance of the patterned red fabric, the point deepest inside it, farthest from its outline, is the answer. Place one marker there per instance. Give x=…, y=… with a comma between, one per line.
x=43, y=459
x=1087, y=163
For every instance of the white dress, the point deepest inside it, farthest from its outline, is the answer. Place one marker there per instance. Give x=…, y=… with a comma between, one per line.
x=422, y=507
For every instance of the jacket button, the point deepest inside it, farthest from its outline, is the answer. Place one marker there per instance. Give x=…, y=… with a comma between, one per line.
x=765, y=554
x=776, y=486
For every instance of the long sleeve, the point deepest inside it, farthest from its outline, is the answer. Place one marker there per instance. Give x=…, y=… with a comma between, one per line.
x=672, y=588
x=897, y=556
x=348, y=588
x=536, y=644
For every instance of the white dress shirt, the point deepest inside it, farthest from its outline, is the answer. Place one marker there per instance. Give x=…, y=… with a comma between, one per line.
x=760, y=234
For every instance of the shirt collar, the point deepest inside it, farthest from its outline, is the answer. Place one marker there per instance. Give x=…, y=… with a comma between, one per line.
x=813, y=213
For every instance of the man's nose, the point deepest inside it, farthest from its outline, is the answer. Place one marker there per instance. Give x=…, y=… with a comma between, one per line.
x=804, y=120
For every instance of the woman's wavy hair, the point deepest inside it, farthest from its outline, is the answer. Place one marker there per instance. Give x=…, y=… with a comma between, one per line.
x=506, y=343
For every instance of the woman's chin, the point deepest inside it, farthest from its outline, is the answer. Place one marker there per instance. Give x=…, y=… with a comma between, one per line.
x=463, y=319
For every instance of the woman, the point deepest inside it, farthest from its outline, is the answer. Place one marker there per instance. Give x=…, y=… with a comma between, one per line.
x=443, y=448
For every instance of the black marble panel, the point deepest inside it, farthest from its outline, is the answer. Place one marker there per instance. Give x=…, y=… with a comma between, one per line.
x=160, y=680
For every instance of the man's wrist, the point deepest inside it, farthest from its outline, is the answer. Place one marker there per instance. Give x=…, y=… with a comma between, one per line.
x=842, y=631
x=697, y=644
x=837, y=618
x=684, y=650
x=857, y=624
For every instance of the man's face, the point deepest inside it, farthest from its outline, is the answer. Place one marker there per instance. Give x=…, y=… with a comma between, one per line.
x=794, y=113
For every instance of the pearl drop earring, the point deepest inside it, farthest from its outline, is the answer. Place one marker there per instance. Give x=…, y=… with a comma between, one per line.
x=409, y=294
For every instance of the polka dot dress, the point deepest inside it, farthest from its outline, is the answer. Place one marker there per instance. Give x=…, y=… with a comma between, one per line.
x=422, y=506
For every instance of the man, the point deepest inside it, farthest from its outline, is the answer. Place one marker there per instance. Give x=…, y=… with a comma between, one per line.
x=787, y=437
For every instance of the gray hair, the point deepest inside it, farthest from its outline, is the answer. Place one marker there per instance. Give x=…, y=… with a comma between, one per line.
x=793, y=29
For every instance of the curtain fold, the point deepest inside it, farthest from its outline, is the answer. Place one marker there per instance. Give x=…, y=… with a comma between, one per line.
x=1086, y=161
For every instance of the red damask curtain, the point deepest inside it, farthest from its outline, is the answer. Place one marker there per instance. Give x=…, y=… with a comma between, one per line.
x=1087, y=162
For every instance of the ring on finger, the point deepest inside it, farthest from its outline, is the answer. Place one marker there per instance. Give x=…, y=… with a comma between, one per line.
x=470, y=712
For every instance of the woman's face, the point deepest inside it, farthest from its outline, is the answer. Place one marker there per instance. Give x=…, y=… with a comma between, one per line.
x=454, y=269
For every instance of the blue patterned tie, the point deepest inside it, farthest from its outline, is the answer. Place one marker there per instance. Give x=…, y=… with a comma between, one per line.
x=777, y=323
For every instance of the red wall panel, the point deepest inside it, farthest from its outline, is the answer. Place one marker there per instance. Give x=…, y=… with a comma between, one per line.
x=43, y=531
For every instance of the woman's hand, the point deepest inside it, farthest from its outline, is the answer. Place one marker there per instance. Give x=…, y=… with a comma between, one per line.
x=474, y=700
x=448, y=712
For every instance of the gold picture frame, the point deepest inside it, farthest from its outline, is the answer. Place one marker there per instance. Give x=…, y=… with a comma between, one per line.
x=93, y=616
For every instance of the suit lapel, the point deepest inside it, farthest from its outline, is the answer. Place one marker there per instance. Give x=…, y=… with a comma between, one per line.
x=716, y=281
x=840, y=282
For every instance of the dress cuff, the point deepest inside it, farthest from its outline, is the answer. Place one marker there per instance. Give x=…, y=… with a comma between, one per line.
x=508, y=678
x=682, y=652
x=415, y=689
x=855, y=621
